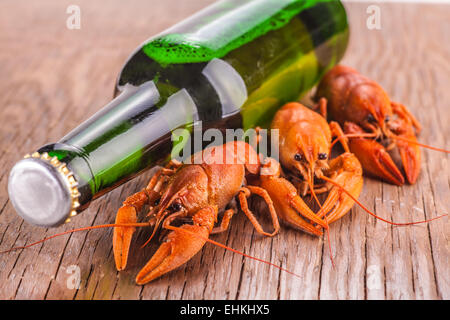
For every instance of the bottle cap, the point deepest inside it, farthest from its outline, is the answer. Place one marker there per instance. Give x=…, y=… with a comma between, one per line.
x=43, y=190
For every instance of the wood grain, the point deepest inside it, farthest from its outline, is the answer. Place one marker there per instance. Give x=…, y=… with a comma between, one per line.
x=53, y=78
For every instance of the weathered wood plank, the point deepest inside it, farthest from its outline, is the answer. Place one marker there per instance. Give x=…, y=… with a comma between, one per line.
x=53, y=78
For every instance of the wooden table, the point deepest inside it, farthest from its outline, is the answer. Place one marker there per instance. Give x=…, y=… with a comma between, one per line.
x=53, y=78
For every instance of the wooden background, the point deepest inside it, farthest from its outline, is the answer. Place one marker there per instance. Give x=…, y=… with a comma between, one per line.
x=52, y=78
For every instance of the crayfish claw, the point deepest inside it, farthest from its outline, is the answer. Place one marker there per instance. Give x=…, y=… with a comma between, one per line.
x=410, y=155
x=122, y=235
x=181, y=245
x=349, y=174
x=373, y=156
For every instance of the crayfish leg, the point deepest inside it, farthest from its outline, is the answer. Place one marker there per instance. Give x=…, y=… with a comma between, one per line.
x=290, y=207
x=322, y=106
x=225, y=224
x=244, y=193
x=402, y=111
x=337, y=131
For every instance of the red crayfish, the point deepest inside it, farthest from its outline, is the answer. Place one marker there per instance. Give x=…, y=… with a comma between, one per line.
x=305, y=149
x=373, y=123
x=196, y=193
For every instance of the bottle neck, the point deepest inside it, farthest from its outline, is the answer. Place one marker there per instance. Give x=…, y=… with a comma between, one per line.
x=124, y=138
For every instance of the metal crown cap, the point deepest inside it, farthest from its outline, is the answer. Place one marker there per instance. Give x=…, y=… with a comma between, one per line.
x=43, y=190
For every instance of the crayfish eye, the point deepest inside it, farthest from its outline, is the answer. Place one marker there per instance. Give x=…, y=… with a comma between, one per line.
x=323, y=156
x=176, y=206
x=298, y=157
x=156, y=202
x=387, y=119
x=371, y=118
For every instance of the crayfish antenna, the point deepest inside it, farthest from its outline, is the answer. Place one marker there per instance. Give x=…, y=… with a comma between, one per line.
x=146, y=224
x=155, y=228
x=101, y=226
x=162, y=213
x=218, y=244
x=395, y=137
x=352, y=135
x=311, y=186
x=373, y=214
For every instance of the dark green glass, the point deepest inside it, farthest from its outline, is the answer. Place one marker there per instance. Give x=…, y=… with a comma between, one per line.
x=232, y=65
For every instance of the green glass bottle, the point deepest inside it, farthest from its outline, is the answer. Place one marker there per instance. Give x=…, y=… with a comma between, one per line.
x=231, y=65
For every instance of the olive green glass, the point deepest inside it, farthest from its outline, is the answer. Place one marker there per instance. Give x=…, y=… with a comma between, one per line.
x=232, y=65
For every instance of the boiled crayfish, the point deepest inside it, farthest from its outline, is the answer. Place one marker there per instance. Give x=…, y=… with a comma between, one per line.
x=195, y=194
x=305, y=147
x=371, y=121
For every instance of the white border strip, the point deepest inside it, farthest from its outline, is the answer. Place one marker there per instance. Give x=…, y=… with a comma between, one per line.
x=401, y=1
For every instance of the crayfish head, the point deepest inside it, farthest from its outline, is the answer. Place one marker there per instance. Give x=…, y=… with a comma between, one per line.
x=313, y=169
x=309, y=169
x=305, y=144
x=186, y=191
x=371, y=107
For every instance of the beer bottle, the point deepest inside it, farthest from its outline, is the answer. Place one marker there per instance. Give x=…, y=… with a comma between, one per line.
x=231, y=65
